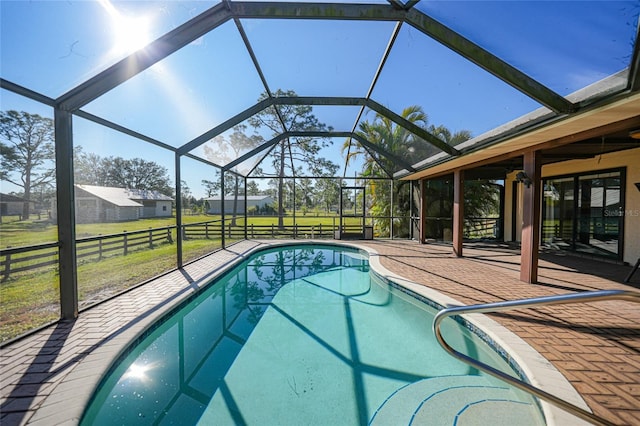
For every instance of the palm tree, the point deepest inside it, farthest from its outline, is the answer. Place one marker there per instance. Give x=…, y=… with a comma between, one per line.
x=395, y=140
x=405, y=145
x=445, y=134
x=392, y=138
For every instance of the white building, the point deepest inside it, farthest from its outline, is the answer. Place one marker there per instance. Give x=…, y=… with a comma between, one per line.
x=109, y=204
x=256, y=201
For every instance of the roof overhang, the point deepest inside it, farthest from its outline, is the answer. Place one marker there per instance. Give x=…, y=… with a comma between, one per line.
x=619, y=114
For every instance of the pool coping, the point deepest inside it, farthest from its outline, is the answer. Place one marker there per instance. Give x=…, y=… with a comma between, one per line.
x=537, y=370
x=67, y=402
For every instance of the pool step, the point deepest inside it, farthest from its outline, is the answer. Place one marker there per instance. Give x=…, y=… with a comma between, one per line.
x=456, y=400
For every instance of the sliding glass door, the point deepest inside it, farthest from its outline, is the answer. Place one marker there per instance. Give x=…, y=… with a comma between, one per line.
x=584, y=213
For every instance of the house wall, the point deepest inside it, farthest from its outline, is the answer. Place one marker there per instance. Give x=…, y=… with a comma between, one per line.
x=87, y=210
x=215, y=208
x=155, y=208
x=14, y=208
x=630, y=159
x=163, y=208
x=214, y=205
x=121, y=214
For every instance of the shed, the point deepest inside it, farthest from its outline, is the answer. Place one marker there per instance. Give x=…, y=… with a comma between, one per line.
x=110, y=204
x=11, y=205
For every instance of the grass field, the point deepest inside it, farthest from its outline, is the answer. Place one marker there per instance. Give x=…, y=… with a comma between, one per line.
x=14, y=233
x=30, y=299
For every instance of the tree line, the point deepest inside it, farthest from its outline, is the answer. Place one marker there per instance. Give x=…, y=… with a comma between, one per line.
x=27, y=159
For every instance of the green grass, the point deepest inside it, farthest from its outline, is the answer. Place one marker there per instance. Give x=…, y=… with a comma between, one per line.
x=30, y=232
x=30, y=299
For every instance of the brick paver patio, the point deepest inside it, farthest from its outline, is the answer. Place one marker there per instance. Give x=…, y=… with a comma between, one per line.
x=596, y=345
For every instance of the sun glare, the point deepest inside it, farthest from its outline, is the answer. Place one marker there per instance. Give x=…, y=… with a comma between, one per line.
x=129, y=33
x=136, y=371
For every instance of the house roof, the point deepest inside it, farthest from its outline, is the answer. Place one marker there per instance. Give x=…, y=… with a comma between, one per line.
x=7, y=198
x=146, y=195
x=123, y=197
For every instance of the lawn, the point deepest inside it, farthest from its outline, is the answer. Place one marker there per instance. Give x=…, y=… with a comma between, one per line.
x=14, y=233
x=31, y=298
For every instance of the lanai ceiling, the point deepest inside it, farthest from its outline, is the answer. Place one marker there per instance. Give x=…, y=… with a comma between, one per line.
x=499, y=70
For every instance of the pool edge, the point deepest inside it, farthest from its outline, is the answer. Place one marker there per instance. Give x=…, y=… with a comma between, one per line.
x=538, y=371
x=69, y=399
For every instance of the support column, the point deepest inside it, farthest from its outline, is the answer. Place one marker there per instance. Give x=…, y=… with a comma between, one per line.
x=65, y=199
x=246, y=217
x=391, y=210
x=222, y=206
x=179, y=259
x=421, y=213
x=530, y=218
x=458, y=211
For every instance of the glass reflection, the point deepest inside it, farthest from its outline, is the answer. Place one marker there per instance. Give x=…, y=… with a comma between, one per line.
x=155, y=383
x=584, y=213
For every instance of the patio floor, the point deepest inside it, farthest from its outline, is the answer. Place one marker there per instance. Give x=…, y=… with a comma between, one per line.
x=596, y=345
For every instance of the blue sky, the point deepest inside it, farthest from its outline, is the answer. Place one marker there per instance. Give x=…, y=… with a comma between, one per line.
x=50, y=46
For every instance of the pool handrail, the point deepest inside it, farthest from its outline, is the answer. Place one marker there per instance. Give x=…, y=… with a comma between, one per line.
x=582, y=297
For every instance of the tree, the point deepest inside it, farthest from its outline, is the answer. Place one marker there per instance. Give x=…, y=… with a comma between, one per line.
x=253, y=188
x=138, y=173
x=299, y=149
x=328, y=192
x=135, y=173
x=396, y=140
x=27, y=151
x=89, y=168
x=445, y=134
x=211, y=187
x=186, y=196
x=481, y=197
x=217, y=150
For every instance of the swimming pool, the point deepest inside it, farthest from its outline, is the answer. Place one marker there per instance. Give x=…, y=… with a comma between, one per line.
x=304, y=334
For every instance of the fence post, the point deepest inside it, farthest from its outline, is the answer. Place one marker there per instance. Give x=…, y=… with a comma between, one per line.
x=272, y=232
x=125, y=242
x=313, y=232
x=206, y=230
x=295, y=231
x=100, y=247
x=7, y=267
x=169, y=237
x=320, y=231
x=252, y=231
x=150, y=237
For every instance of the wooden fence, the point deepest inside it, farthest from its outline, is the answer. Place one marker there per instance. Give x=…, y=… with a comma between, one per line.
x=91, y=247
x=481, y=227
x=204, y=230
x=22, y=259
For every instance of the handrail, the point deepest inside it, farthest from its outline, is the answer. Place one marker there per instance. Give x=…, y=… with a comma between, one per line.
x=583, y=297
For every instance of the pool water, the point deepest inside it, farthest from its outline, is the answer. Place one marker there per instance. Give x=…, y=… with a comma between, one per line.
x=303, y=335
